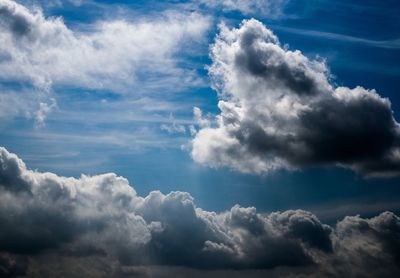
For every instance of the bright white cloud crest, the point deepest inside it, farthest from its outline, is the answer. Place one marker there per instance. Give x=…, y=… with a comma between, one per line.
x=133, y=58
x=109, y=55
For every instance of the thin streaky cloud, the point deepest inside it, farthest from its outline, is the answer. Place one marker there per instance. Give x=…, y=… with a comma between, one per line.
x=390, y=44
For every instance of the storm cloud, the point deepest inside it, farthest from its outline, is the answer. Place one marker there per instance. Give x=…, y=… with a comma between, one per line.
x=53, y=223
x=279, y=109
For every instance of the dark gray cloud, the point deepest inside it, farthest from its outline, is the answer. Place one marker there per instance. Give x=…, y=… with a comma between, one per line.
x=17, y=23
x=99, y=226
x=280, y=110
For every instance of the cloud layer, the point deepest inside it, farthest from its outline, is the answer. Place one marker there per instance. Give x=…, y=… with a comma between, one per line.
x=280, y=110
x=105, y=55
x=100, y=220
x=266, y=8
x=42, y=57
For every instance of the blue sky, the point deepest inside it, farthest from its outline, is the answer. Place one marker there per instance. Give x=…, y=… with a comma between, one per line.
x=120, y=129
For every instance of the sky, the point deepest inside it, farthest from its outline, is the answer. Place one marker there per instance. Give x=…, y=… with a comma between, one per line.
x=127, y=126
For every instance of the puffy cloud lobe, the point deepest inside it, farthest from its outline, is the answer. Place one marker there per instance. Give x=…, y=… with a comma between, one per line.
x=100, y=221
x=279, y=110
x=103, y=214
x=107, y=55
x=41, y=210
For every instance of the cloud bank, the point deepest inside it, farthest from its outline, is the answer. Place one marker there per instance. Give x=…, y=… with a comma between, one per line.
x=279, y=109
x=99, y=222
x=41, y=57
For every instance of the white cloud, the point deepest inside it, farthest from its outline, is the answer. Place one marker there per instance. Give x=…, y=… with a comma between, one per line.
x=134, y=57
x=44, y=110
x=13, y=105
x=199, y=118
x=105, y=55
x=279, y=110
x=174, y=127
x=26, y=103
x=390, y=44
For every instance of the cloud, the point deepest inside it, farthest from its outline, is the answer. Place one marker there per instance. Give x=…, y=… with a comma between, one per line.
x=113, y=55
x=27, y=103
x=125, y=56
x=280, y=110
x=99, y=224
x=174, y=127
x=12, y=105
x=103, y=214
x=267, y=8
x=44, y=110
x=389, y=44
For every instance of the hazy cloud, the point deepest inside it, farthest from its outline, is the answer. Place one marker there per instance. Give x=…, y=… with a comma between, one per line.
x=267, y=8
x=174, y=127
x=280, y=110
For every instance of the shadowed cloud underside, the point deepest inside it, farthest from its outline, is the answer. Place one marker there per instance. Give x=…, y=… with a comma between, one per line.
x=101, y=218
x=278, y=109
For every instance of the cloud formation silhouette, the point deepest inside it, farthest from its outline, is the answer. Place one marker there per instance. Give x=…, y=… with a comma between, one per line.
x=280, y=110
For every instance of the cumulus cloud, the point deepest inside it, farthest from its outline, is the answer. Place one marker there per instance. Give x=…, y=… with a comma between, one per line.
x=278, y=109
x=54, y=224
x=104, y=55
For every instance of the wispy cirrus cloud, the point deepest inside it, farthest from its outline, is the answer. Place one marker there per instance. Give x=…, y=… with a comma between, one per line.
x=389, y=44
x=132, y=57
x=109, y=55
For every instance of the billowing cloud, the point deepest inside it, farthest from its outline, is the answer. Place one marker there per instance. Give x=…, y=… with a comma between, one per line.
x=103, y=214
x=111, y=55
x=99, y=222
x=280, y=110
